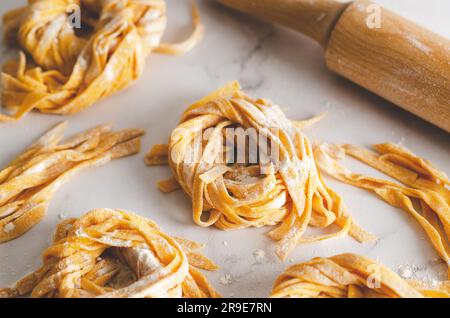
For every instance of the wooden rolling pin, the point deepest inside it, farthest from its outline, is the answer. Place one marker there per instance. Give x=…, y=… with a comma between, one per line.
x=392, y=57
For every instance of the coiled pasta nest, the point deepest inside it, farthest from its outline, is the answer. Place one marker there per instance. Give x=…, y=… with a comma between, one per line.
x=73, y=63
x=116, y=254
x=350, y=276
x=28, y=183
x=276, y=185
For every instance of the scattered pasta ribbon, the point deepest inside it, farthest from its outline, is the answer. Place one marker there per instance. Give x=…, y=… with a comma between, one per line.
x=350, y=276
x=423, y=191
x=286, y=189
x=28, y=183
x=302, y=124
x=72, y=66
x=116, y=254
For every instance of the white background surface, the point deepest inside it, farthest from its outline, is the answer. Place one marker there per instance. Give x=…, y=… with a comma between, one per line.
x=269, y=62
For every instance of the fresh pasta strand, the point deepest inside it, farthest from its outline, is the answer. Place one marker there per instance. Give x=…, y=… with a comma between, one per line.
x=61, y=71
x=116, y=254
x=420, y=182
x=28, y=183
x=350, y=276
x=287, y=191
x=311, y=121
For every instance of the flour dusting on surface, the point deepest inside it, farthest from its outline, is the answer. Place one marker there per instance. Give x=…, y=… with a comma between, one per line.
x=226, y=279
x=406, y=272
x=259, y=256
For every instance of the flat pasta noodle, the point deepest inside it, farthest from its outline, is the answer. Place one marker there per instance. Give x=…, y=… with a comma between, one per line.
x=116, y=254
x=423, y=189
x=311, y=121
x=287, y=191
x=66, y=71
x=350, y=276
x=28, y=183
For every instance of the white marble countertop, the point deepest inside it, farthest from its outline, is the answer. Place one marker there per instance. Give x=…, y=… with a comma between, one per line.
x=269, y=62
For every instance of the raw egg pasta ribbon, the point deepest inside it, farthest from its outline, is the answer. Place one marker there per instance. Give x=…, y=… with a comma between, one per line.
x=350, y=276
x=286, y=189
x=423, y=189
x=116, y=254
x=65, y=67
x=28, y=183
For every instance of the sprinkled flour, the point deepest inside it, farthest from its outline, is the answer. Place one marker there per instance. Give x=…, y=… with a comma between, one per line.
x=226, y=279
x=406, y=272
x=259, y=256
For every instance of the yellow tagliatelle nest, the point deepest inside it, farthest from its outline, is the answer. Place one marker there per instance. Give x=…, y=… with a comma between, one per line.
x=70, y=68
x=350, y=276
x=286, y=189
x=423, y=191
x=116, y=254
x=28, y=183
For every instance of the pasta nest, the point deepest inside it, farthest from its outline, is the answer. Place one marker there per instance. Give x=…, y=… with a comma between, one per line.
x=286, y=188
x=116, y=254
x=350, y=276
x=73, y=65
x=28, y=183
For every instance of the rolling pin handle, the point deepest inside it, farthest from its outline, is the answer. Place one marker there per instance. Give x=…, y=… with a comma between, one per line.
x=314, y=18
